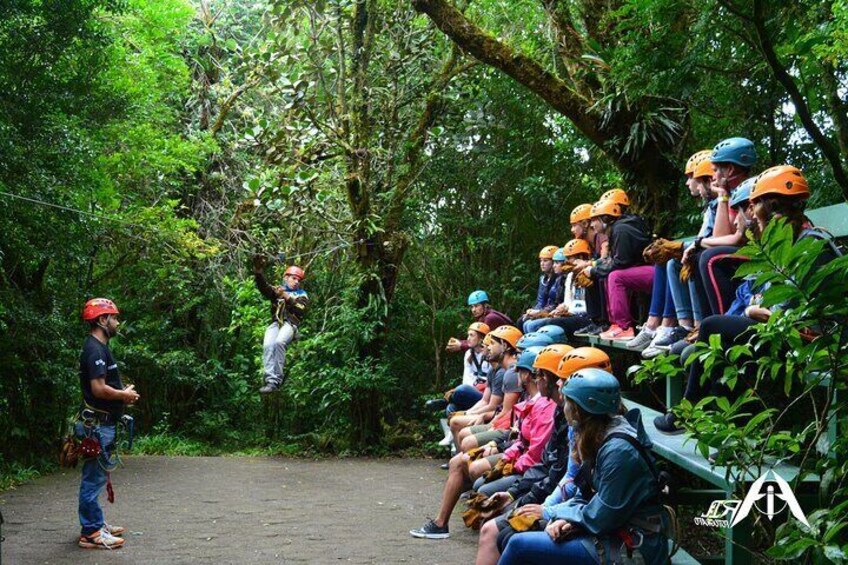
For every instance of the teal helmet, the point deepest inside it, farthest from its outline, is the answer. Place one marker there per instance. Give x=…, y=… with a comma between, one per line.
x=594, y=390
x=559, y=255
x=556, y=333
x=742, y=193
x=534, y=339
x=477, y=297
x=737, y=150
x=527, y=357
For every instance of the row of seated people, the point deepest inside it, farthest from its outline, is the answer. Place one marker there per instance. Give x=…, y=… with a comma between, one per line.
x=546, y=445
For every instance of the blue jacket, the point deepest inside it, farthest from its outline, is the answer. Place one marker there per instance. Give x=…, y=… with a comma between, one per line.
x=546, y=294
x=625, y=488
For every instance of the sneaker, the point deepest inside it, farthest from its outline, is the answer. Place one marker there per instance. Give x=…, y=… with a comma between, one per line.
x=431, y=531
x=114, y=530
x=615, y=333
x=445, y=466
x=447, y=440
x=667, y=424
x=642, y=340
x=650, y=352
x=670, y=337
x=269, y=388
x=436, y=404
x=100, y=539
x=589, y=331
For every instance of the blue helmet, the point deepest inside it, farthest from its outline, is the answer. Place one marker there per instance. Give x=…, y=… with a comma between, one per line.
x=534, y=339
x=559, y=255
x=477, y=297
x=594, y=390
x=527, y=357
x=556, y=333
x=737, y=150
x=742, y=193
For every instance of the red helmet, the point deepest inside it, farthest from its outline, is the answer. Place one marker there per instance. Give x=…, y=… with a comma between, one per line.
x=97, y=307
x=295, y=272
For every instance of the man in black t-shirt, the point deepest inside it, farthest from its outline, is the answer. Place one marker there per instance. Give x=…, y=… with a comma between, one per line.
x=104, y=397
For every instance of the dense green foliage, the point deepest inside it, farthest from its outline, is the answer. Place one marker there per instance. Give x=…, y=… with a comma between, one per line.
x=179, y=138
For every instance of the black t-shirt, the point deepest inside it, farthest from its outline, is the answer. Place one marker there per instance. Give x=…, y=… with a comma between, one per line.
x=96, y=362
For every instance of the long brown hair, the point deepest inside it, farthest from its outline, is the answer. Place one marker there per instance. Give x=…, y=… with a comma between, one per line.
x=593, y=428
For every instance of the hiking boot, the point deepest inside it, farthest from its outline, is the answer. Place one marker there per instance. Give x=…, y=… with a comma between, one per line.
x=670, y=337
x=269, y=387
x=100, y=539
x=667, y=424
x=431, y=531
x=616, y=333
x=642, y=340
x=114, y=530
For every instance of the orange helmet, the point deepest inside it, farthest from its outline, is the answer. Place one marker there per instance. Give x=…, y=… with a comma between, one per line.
x=606, y=208
x=488, y=339
x=703, y=169
x=576, y=247
x=583, y=358
x=549, y=358
x=616, y=195
x=581, y=213
x=97, y=307
x=509, y=334
x=696, y=160
x=783, y=180
x=548, y=251
x=479, y=327
x=295, y=272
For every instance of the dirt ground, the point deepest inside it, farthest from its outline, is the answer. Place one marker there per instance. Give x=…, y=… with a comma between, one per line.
x=242, y=510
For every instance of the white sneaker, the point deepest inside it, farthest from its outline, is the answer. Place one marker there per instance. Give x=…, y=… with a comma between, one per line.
x=642, y=339
x=447, y=440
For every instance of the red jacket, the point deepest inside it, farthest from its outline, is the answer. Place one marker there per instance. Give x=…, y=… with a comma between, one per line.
x=536, y=418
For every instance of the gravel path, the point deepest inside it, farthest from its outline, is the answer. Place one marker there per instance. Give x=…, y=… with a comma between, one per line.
x=242, y=510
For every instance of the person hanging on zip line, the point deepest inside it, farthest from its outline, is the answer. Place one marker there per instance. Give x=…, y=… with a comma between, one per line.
x=288, y=306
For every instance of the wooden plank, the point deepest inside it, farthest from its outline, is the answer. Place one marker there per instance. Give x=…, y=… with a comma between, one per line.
x=680, y=450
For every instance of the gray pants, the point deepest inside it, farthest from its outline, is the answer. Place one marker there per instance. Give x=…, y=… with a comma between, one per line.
x=498, y=485
x=277, y=339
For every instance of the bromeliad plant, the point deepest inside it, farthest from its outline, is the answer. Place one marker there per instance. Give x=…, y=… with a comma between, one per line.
x=789, y=413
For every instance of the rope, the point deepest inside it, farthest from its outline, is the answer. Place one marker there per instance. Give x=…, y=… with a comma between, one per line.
x=153, y=228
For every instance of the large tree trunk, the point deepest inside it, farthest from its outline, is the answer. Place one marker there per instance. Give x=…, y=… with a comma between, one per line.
x=649, y=168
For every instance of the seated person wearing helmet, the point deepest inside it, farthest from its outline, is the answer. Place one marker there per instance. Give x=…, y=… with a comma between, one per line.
x=288, y=306
x=546, y=293
x=779, y=192
x=501, y=353
x=618, y=487
x=483, y=313
x=535, y=429
x=556, y=470
x=731, y=160
x=596, y=298
x=528, y=418
x=625, y=269
x=570, y=312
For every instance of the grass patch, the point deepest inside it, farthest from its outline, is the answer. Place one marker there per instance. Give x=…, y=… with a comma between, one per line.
x=14, y=475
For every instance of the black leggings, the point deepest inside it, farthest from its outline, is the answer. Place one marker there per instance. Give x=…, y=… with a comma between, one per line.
x=716, y=268
x=732, y=332
x=570, y=324
x=596, y=302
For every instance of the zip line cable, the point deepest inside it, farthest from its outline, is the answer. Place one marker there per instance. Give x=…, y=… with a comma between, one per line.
x=280, y=256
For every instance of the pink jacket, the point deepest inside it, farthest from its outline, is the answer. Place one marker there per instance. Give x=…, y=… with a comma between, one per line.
x=536, y=424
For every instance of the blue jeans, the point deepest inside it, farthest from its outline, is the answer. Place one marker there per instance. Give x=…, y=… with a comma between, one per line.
x=463, y=398
x=530, y=548
x=686, y=298
x=533, y=325
x=662, y=303
x=94, y=480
